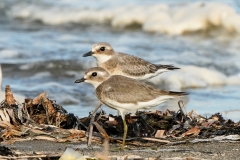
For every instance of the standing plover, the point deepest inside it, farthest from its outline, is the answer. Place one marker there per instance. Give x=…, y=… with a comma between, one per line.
x=117, y=63
x=125, y=94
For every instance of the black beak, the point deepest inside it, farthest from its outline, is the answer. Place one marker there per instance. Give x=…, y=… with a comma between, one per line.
x=80, y=80
x=88, y=54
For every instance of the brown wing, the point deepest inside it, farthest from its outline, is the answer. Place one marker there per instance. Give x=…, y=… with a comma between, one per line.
x=127, y=90
x=134, y=66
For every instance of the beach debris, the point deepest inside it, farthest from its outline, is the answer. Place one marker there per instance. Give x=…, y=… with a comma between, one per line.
x=41, y=118
x=42, y=110
x=193, y=131
x=159, y=133
x=5, y=151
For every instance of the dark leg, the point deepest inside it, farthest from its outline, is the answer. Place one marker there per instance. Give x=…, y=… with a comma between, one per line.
x=91, y=125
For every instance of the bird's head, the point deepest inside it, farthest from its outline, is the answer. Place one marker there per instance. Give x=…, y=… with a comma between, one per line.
x=101, y=51
x=94, y=76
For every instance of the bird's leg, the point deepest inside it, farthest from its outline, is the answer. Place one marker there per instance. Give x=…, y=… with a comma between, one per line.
x=125, y=132
x=91, y=124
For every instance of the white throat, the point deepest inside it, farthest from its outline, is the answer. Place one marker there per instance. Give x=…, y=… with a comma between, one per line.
x=94, y=83
x=101, y=58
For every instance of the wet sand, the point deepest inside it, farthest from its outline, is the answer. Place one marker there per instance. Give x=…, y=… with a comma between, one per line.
x=207, y=150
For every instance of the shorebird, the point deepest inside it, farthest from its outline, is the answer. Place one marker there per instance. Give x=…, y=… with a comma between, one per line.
x=125, y=94
x=117, y=63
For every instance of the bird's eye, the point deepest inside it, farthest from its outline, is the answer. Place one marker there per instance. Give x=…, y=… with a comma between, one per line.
x=102, y=49
x=94, y=74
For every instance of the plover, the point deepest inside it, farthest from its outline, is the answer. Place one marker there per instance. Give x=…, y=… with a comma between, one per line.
x=117, y=63
x=125, y=94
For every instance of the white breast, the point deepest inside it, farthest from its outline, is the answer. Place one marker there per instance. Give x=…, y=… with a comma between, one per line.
x=101, y=58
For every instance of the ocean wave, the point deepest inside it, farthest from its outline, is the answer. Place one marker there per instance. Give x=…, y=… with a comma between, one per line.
x=193, y=77
x=158, y=18
x=8, y=54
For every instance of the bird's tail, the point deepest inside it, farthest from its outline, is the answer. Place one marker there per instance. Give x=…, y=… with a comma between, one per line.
x=168, y=67
x=178, y=93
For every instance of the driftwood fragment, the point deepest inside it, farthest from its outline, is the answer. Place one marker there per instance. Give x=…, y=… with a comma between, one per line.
x=159, y=133
x=195, y=131
x=10, y=132
x=9, y=99
x=10, y=109
x=4, y=115
x=156, y=140
x=102, y=131
x=38, y=99
x=6, y=124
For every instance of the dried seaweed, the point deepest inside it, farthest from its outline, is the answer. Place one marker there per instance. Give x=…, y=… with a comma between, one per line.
x=42, y=118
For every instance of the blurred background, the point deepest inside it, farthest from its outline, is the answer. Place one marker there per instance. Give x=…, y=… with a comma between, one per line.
x=42, y=43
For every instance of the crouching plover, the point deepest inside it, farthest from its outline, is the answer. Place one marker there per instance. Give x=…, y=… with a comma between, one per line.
x=125, y=94
x=117, y=63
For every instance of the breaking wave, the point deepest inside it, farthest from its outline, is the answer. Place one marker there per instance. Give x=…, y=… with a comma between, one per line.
x=194, y=77
x=157, y=18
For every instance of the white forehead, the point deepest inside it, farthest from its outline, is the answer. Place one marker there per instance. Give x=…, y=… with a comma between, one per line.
x=101, y=44
x=99, y=73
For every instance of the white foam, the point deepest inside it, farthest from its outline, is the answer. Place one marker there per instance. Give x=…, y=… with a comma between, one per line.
x=26, y=66
x=234, y=80
x=193, y=77
x=160, y=18
x=41, y=75
x=194, y=17
x=67, y=37
x=8, y=53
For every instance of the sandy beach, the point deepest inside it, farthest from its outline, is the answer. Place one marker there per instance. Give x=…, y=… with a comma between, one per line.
x=212, y=150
